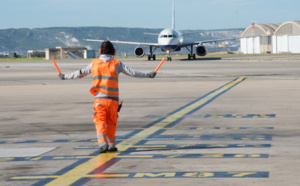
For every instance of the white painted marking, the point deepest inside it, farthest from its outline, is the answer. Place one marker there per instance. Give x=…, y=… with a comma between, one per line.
x=24, y=152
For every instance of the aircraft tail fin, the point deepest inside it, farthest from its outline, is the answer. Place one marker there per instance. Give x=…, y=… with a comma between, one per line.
x=173, y=15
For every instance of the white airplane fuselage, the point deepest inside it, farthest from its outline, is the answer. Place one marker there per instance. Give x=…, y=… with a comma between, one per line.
x=170, y=40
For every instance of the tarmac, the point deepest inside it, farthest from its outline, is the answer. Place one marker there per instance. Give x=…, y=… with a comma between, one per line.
x=211, y=121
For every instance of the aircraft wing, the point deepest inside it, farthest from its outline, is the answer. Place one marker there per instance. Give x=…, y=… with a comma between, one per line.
x=127, y=42
x=206, y=41
x=219, y=40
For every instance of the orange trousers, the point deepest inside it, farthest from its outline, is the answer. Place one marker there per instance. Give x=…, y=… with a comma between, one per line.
x=105, y=119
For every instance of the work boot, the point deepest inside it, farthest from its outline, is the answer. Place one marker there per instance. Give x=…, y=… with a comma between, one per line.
x=103, y=149
x=112, y=148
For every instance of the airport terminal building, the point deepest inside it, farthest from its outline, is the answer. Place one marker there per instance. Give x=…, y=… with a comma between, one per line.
x=271, y=38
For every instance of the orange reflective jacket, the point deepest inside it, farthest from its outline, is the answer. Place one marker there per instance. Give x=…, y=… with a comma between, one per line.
x=104, y=78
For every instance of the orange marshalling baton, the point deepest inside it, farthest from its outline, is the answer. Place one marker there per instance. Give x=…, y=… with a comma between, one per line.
x=56, y=66
x=162, y=61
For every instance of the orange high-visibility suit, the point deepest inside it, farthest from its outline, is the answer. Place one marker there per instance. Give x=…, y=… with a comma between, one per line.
x=105, y=110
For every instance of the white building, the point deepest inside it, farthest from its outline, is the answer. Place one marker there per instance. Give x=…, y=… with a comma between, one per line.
x=271, y=38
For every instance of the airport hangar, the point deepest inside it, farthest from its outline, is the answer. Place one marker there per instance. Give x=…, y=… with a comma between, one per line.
x=271, y=38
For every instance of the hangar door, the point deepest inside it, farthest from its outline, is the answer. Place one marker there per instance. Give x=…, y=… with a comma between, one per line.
x=286, y=44
x=250, y=45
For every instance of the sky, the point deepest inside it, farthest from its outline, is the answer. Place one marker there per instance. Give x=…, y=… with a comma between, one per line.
x=190, y=14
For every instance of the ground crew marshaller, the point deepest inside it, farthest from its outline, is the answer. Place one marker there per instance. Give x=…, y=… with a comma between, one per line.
x=105, y=71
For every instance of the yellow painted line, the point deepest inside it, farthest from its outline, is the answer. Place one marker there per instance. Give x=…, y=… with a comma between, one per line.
x=107, y=175
x=239, y=155
x=243, y=174
x=254, y=155
x=32, y=177
x=214, y=155
x=176, y=155
x=145, y=146
x=166, y=175
x=86, y=176
x=216, y=145
x=140, y=156
x=73, y=157
x=84, y=169
x=35, y=159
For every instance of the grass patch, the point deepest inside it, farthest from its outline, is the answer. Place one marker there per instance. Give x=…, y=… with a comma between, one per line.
x=20, y=59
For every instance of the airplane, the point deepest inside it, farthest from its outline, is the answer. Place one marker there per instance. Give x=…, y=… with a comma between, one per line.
x=169, y=40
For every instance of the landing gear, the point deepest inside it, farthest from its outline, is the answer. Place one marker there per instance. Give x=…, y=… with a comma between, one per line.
x=169, y=58
x=152, y=56
x=191, y=54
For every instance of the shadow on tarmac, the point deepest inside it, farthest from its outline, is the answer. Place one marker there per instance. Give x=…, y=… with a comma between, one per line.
x=203, y=58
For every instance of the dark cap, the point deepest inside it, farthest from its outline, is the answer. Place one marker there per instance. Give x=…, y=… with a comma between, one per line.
x=107, y=48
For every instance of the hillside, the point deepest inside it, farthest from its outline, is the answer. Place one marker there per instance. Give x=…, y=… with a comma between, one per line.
x=22, y=40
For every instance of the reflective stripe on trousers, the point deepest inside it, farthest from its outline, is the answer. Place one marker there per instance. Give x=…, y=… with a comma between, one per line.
x=102, y=140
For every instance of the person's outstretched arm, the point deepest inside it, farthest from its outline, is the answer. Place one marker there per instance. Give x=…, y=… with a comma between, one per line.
x=122, y=68
x=78, y=73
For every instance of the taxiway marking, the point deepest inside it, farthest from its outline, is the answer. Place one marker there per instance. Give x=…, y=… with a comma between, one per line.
x=233, y=174
x=74, y=173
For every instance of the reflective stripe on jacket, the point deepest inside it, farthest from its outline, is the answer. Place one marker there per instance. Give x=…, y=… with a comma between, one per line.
x=104, y=78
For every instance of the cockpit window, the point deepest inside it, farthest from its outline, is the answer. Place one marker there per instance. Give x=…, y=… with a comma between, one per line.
x=168, y=36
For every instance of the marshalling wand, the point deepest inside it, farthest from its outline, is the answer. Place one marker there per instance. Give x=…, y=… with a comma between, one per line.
x=56, y=66
x=162, y=61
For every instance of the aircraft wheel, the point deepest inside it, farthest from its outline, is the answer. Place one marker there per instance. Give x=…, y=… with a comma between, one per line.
x=194, y=56
x=189, y=56
x=154, y=57
x=149, y=57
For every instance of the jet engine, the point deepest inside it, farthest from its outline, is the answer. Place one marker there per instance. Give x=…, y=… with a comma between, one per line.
x=201, y=50
x=139, y=52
